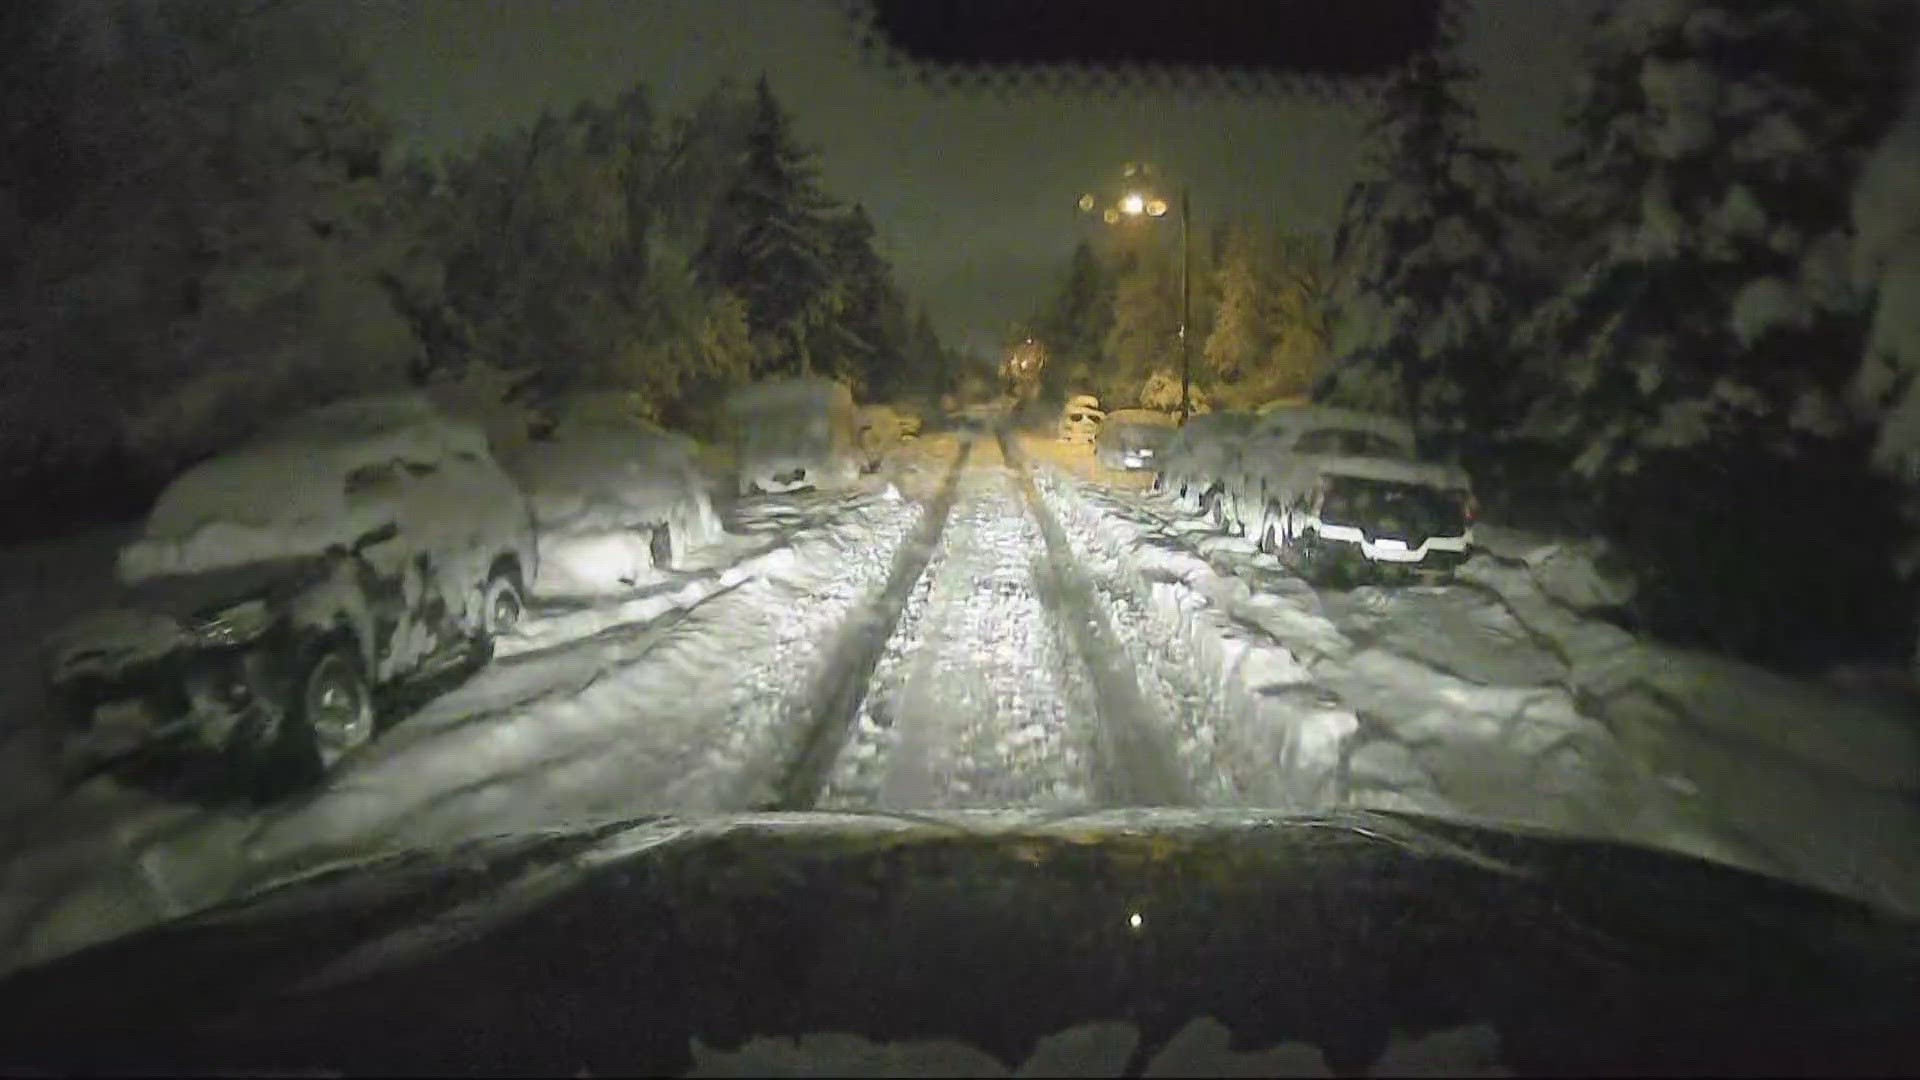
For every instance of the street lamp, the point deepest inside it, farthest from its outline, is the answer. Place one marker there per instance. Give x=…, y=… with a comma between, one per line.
x=1139, y=202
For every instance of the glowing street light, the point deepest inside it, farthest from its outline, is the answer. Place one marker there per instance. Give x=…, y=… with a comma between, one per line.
x=1133, y=204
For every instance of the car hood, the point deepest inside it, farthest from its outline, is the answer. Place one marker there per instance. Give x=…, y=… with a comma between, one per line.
x=153, y=617
x=631, y=948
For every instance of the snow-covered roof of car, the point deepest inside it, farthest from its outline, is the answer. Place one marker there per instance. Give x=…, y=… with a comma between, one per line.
x=378, y=427
x=604, y=474
x=285, y=493
x=1321, y=417
x=1146, y=417
x=1422, y=473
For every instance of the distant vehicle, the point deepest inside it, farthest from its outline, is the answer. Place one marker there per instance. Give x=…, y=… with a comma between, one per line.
x=1342, y=492
x=1080, y=419
x=885, y=426
x=1129, y=439
x=1199, y=453
x=616, y=501
x=273, y=589
x=794, y=434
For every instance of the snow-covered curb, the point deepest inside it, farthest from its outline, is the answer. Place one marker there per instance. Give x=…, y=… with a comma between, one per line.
x=1633, y=742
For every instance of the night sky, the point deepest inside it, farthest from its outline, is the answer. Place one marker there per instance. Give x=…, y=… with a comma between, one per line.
x=973, y=192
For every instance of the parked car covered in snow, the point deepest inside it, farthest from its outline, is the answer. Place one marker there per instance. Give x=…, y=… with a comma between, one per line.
x=1129, y=439
x=1337, y=489
x=885, y=426
x=794, y=433
x=272, y=589
x=1199, y=454
x=1080, y=420
x=616, y=502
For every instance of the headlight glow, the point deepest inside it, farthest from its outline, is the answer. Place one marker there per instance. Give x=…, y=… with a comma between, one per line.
x=233, y=625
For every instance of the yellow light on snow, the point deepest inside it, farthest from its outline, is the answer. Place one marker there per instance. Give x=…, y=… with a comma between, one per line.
x=1111, y=215
x=1156, y=207
x=1133, y=205
x=1086, y=202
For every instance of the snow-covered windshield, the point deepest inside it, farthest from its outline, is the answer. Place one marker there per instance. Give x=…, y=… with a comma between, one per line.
x=696, y=406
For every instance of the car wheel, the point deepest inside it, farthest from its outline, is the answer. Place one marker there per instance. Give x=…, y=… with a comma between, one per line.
x=327, y=712
x=1269, y=542
x=1213, y=504
x=335, y=706
x=660, y=547
x=501, y=605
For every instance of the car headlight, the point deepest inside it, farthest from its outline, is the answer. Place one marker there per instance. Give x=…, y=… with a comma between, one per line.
x=234, y=625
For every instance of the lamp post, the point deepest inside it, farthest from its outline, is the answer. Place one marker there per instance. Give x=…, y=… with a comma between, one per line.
x=1140, y=200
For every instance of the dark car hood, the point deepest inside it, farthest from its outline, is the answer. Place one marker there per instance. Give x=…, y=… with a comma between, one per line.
x=611, y=951
x=151, y=621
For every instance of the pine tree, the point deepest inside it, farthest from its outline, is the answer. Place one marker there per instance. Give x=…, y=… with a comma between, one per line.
x=1434, y=263
x=1075, y=325
x=1145, y=334
x=1707, y=350
x=861, y=343
x=769, y=241
x=1243, y=331
x=226, y=167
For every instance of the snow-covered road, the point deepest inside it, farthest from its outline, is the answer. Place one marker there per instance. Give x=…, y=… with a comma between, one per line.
x=985, y=625
x=979, y=698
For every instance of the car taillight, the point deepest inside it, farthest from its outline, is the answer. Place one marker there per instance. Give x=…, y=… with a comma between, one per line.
x=1472, y=508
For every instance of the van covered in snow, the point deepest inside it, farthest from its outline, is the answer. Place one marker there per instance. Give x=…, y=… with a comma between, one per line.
x=794, y=433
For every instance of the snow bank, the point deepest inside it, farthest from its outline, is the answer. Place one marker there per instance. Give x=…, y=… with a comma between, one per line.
x=1819, y=781
x=598, y=491
x=1516, y=709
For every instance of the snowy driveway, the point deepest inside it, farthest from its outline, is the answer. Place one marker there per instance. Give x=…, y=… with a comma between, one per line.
x=979, y=627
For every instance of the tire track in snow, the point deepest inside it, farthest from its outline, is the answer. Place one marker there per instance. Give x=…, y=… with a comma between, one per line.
x=981, y=699
x=828, y=711
x=1137, y=759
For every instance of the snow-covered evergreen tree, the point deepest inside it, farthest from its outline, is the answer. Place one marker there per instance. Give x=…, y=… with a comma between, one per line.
x=1435, y=262
x=1145, y=334
x=770, y=240
x=1074, y=326
x=190, y=197
x=1706, y=354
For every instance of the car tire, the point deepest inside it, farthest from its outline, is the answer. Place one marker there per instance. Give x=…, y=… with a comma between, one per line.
x=1269, y=542
x=660, y=547
x=327, y=713
x=502, y=603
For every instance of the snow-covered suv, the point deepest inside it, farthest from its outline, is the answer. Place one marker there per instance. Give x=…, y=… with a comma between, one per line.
x=1200, y=454
x=273, y=589
x=1330, y=487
